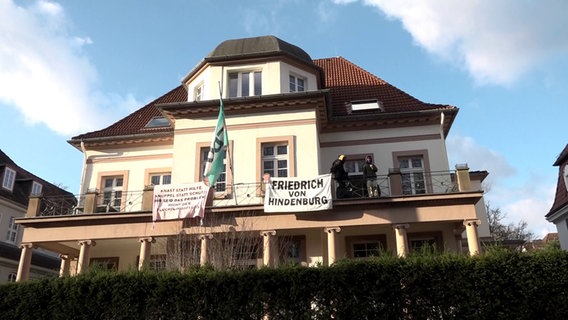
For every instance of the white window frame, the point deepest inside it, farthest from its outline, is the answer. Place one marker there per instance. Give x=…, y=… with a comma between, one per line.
x=276, y=158
x=221, y=183
x=241, y=90
x=198, y=92
x=413, y=177
x=36, y=188
x=162, y=178
x=368, y=252
x=9, y=178
x=113, y=194
x=354, y=165
x=294, y=83
x=158, y=262
x=13, y=230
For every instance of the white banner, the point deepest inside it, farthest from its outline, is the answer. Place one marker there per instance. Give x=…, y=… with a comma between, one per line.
x=295, y=195
x=179, y=201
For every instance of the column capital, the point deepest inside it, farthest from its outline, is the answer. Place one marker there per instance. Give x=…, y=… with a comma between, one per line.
x=471, y=222
x=27, y=245
x=268, y=233
x=206, y=236
x=401, y=226
x=147, y=239
x=87, y=243
x=331, y=229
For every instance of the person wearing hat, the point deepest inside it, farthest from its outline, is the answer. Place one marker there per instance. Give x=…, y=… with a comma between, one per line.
x=339, y=175
x=370, y=175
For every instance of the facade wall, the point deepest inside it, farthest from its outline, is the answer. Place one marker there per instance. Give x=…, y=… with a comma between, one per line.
x=384, y=144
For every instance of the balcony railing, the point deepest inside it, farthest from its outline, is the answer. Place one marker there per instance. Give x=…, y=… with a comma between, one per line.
x=246, y=194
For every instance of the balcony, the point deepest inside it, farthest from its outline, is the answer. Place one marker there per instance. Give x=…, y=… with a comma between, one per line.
x=393, y=185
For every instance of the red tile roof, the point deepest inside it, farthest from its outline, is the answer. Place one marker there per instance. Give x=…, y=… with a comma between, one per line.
x=136, y=122
x=561, y=197
x=349, y=82
x=345, y=81
x=23, y=183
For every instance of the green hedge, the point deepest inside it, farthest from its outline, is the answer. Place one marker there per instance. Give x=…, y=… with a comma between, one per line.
x=495, y=285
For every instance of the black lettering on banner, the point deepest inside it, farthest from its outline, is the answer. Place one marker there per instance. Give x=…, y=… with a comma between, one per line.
x=219, y=143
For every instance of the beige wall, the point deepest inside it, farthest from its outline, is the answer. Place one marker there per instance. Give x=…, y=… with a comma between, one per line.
x=274, y=78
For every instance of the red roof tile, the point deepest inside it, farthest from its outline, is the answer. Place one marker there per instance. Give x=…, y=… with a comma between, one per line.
x=561, y=197
x=348, y=82
x=136, y=122
x=345, y=81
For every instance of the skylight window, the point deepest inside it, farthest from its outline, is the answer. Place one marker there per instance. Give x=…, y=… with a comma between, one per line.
x=365, y=105
x=158, y=122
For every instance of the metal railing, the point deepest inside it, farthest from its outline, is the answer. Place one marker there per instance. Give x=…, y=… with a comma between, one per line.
x=246, y=194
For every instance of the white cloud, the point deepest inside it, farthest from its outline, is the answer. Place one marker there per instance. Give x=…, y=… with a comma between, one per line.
x=43, y=71
x=528, y=199
x=466, y=150
x=495, y=41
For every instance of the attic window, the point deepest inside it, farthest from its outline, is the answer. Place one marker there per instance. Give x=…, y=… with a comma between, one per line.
x=158, y=122
x=9, y=179
x=36, y=189
x=365, y=105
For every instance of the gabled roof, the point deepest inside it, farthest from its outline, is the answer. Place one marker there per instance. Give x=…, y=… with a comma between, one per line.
x=343, y=81
x=23, y=184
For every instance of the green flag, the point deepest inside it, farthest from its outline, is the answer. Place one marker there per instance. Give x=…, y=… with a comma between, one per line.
x=218, y=150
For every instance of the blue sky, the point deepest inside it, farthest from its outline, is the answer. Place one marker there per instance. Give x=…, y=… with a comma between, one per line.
x=69, y=67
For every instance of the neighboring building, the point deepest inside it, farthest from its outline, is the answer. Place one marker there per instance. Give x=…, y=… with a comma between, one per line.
x=558, y=214
x=289, y=116
x=17, y=186
x=549, y=239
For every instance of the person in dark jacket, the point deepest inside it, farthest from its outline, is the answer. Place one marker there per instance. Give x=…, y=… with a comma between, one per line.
x=370, y=175
x=340, y=176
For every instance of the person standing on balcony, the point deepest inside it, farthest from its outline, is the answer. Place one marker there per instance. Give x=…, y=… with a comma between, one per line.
x=370, y=175
x=340, y=176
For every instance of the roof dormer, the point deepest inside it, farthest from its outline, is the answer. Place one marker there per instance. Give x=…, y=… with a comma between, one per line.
x=252, y=67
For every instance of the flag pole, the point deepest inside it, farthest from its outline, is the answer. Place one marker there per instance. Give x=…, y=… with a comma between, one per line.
x=229, y=154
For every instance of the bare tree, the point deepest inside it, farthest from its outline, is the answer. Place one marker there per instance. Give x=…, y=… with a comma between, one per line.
x=501, y=231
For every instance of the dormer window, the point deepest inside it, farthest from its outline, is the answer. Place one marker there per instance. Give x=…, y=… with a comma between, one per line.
x=297, y=84
x=198, y=92
x=9, y=179
x=245, y=84
x=36, y=189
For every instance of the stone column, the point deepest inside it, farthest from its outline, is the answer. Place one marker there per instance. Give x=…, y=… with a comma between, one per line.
x=25, y=262
x=268, y=237
x=205, y=238
x=84, y=255
x=65, y=265
x=145, y=250
x=472, y=238
x=401, y=239
x=331, y=243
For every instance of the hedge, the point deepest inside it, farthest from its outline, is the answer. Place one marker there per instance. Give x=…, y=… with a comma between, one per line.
x=495, y=285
